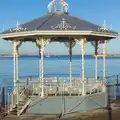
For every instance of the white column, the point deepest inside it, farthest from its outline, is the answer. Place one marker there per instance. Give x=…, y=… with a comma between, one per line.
x=82, y=41
x=15, y=63
x=70, y=52
x=16, y=45
x=41, y=42
x=104, y=61
x=96, y=67
x=42, y=68
x=96, y=60
x=40, y=63
x=104, y=71
x=82, y=53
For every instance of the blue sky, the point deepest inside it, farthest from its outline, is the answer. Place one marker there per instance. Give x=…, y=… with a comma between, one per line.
x=95, y=11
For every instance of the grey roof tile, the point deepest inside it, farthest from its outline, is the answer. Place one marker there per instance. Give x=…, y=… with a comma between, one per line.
x=54, y=21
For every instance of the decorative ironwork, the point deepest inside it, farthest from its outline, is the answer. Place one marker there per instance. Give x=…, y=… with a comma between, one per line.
x=63, y=25
x=39, y=41
x=18, y=28
x=95, y=45
x=58, y=5
x=80, y=39
x=70, y=44
x=103, y=28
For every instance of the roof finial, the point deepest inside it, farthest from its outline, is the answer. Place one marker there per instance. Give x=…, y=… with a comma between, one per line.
x=18, y=28
x=58, y=5
x=17, y=25
x=104, y=25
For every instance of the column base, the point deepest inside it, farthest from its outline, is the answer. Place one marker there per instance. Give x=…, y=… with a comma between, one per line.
x=42, y=94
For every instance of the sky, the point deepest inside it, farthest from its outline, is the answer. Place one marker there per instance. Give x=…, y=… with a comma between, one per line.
x=95, y=11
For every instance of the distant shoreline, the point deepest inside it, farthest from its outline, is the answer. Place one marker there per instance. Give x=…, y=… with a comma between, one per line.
x=6, y=56
x=10, y=56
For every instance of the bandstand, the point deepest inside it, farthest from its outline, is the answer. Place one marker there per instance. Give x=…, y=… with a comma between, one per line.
x=55, y=95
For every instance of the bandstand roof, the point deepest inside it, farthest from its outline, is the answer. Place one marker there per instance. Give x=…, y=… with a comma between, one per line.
x=58, y=23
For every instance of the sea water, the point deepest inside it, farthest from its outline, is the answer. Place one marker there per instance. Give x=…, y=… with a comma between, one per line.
x=56, y=66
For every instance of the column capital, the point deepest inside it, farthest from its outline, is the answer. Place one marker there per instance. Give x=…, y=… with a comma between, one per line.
x=42, y=41
x=81, y=40
x=104, y=47
x=95, y=44
x=70, y=44
x=102, y=42
x=17, y=43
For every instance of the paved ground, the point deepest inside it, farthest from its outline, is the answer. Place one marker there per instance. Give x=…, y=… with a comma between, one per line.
x=100, y=114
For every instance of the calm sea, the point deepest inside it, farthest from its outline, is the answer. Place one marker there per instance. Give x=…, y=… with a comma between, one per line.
x=55, y=66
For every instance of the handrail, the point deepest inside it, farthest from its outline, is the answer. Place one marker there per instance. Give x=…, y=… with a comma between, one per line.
x=110, y=76
x=22, y=93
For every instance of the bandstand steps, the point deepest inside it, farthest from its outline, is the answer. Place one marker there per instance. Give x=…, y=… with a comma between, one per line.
x=18, y=108
x=22, y=107
x=13, y=111
x=21, y=103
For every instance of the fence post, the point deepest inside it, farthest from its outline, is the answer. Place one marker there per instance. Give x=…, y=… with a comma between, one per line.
x=8, y=103
x=117, y=81
x=12, y=99
x=3, y=96
x=109, y=109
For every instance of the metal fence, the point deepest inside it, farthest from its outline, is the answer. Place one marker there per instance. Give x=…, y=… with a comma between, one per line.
x=112, y=82
x=2, y=96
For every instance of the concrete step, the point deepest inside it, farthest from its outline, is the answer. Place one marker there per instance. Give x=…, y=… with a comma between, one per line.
x=22, y=101
x=21, y=104
x=12, y=113
x=13, y=109
x=19, y=108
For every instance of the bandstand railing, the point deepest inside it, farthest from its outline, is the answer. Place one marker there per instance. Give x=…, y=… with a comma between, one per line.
x=55, y=86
